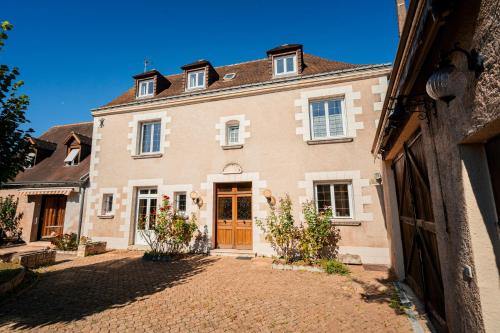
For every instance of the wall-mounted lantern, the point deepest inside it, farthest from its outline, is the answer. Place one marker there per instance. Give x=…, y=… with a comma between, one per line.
x=447, y=81
x=197, y=200
x=271, y=200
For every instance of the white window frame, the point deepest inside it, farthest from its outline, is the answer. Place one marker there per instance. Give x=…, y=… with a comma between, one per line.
x=148, y=196
x=141, y=130
x=230, y=126
x=327, y=119
x=73, y=161
x=176, y=202
x=332, y=196
x=285, y=72
x=147, y=82
x=198, y=85
x=104, y=208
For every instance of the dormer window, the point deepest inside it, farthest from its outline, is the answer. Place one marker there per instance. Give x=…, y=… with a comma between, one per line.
x=146, y=88
x=196, y=79
x=31, y=159
x=72, y=157
x=285, y=65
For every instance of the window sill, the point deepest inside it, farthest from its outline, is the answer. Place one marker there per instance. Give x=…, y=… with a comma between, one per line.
x=327, y=141
x=346, y=223
x=229, y=147
x=144, y=97
x=138, y=157
x=105, y=216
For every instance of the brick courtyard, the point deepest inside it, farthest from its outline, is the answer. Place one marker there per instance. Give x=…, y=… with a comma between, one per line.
x=118, y=291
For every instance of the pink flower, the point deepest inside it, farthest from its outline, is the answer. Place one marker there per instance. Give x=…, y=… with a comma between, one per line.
x=162, y=209
x=168, y=206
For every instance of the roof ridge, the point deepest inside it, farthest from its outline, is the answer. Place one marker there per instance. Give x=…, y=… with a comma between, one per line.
x=83, y=122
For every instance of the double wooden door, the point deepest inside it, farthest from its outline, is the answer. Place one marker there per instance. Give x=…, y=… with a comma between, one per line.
x=234, y=216
x=418, y=230
x=52, y=216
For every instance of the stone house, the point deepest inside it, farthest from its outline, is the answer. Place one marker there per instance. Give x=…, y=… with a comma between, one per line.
x=439, y=141
x=216, y=139
x=51, y=191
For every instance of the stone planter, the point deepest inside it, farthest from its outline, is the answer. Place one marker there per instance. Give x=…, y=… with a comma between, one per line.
x=14, y=282
x=91, y=249
x=286, y=267
x=33, y=259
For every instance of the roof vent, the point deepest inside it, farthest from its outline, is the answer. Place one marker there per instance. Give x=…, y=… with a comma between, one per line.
x=229, y=76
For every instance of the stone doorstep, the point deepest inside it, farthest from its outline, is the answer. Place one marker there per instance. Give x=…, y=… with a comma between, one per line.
x=298, y=268
x=232, y=253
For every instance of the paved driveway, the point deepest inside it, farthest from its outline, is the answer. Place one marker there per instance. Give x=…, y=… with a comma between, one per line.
x=118, y=291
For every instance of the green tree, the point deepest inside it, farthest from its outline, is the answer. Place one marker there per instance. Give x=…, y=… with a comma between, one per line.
x=14, y=146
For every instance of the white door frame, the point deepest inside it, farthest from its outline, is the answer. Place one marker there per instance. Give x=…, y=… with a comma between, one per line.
x=138, y=239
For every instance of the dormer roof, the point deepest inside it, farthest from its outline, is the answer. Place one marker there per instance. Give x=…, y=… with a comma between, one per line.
x=80, y=138
x=42, y=144
x=284, y=49
x=197, y=64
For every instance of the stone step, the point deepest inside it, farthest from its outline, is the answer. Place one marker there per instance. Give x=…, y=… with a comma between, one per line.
x=232, y=253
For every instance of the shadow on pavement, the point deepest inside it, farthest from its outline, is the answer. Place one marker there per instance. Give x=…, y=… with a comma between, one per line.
x=73, y=293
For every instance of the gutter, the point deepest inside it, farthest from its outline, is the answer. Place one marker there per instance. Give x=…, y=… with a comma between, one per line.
x=250, y=85
x=84, y=179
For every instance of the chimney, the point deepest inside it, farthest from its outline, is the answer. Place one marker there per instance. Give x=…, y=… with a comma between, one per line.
x=401, y=13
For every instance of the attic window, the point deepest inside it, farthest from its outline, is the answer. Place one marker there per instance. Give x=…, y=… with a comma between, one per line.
x=31, y=159
x=285, y=65
x=196, y=79
x=229, y=76
x=72, y=158
x=146, y=88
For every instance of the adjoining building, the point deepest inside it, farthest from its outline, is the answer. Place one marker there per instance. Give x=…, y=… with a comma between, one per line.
x=51, y=191
x=439, y=139
x=214, y=138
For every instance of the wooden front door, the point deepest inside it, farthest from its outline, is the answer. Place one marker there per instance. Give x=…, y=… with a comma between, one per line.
x=52, y=216
x=418, y=230
x=234, y=216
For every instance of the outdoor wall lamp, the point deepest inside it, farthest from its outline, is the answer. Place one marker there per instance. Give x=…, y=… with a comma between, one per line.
x=447, y=81
x=404, y=105
x=197, y=200
x=271, y=200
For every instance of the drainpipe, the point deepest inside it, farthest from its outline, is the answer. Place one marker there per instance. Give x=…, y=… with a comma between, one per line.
x=401, y=14
x=80, y=218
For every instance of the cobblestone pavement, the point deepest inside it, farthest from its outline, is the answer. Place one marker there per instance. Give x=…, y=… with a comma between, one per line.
x=118, y=291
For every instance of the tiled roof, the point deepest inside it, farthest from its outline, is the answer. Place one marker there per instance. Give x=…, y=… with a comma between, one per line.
x=246, y=73
x=52, y=168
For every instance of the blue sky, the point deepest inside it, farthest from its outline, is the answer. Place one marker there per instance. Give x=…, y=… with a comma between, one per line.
x=78, y=55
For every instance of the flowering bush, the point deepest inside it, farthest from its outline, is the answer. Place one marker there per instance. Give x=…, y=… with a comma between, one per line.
x=169, y=232
x=280, y=230
x=317, y=239
x=66, y=242
x=10, y=220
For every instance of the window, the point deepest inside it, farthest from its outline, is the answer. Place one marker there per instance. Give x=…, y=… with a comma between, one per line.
x=180, y=202
x=72, y=158
x=229, y=76
x=146, y=88
x=107, y=204
x=327, y=119
x=146, y=208
x=337, y=196
x=150, y=137
x=285, y=65
x=30, y=160
x=196, y=79
x=233, y=131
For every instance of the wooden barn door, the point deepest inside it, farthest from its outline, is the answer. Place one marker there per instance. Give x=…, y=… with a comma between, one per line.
x=418, y=230
x=54, y=208
x=234, y=216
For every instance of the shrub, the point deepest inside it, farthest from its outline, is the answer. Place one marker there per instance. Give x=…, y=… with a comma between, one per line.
x=334, y=266
x=10, y=229
x=280, y=230
x=319, y=239
x=170, y=233
x=66, y=242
